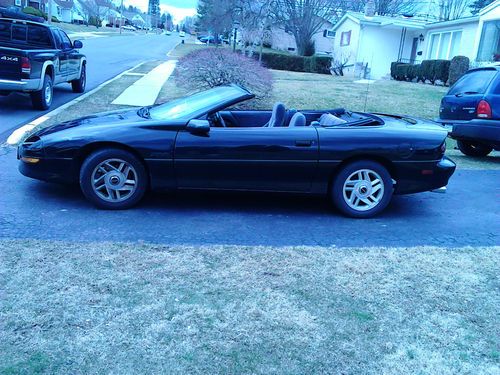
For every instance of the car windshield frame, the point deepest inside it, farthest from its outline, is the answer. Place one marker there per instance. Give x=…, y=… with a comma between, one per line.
x=200, y=103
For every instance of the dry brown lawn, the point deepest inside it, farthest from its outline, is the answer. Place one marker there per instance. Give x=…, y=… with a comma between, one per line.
x=68, y=308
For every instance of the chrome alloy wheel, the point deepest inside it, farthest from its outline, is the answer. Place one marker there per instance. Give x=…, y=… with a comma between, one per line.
x=114, y=180
x=48, y=94
x=363, y=190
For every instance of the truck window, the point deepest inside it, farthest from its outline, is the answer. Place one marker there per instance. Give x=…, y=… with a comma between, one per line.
x=476, y=81
x=39, y=36
x=19, y=33
x=4, y=31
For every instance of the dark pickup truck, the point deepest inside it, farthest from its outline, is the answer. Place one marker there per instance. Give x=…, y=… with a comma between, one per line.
x=34, y=57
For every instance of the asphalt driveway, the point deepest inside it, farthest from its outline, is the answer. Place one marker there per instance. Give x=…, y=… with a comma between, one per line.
x=469, y=214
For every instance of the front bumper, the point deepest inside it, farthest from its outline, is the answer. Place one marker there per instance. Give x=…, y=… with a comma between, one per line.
x=59, y=170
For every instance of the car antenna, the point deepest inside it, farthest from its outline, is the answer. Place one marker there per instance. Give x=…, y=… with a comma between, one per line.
x=366, y=96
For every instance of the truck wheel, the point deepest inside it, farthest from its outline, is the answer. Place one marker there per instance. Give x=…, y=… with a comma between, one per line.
x=473, y=148
x=42, y=99
x=362, y=189
x=78, y=85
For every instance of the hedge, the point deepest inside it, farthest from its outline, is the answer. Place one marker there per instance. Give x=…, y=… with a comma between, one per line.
x=432, y=70
x=37, y=12
x=458, y=66
x=295, y=63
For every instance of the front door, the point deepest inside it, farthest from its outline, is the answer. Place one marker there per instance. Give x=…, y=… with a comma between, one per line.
x=270, y=159
x=413, y=55
x=71, y=56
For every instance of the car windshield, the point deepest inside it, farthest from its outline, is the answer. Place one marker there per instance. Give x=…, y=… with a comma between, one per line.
x=475, y=82
x=190, y=106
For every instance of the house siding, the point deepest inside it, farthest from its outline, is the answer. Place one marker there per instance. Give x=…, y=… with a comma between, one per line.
x=351, y=50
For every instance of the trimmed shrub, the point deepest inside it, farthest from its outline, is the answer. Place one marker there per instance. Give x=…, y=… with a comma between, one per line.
x=458, y=66
x=295, y=63
x=441, y=70
x=402, y=71
x=413, y=72
x=434, y=70
x=34, y=12
x=212, y=67
x=393, y=68
x=54, y=19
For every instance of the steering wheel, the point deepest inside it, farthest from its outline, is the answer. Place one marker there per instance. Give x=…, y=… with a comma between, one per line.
x=218, y=118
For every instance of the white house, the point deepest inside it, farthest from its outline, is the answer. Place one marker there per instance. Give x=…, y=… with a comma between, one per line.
x=323, y=40
x=379, y=40
x=62, y=9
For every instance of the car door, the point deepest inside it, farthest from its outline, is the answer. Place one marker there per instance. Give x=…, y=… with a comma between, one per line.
x=71, y=56
x=268, y=159
x=62, y=59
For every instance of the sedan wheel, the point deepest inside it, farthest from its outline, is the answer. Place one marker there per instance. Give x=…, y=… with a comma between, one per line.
x=113, y=179
x=362, y=189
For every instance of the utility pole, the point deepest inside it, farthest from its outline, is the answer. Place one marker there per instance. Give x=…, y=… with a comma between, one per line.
x=121, y=16
x=49, y=13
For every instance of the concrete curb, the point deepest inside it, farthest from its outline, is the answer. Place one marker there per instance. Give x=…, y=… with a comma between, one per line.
x=19, y=133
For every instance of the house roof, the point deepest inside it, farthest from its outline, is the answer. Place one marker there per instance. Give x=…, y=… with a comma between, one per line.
x=452, y=22
x=65, y=4
x=382, y=21
x=490, y=7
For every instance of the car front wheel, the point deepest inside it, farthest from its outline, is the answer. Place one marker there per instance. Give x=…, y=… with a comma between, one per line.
x=113, y=179
x=473, y=148
x=362, y=189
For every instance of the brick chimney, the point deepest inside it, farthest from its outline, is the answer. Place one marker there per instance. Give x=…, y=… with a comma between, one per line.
x=370, y=8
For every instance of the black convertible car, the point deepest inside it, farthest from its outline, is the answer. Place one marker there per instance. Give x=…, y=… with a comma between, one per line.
x=357, y=159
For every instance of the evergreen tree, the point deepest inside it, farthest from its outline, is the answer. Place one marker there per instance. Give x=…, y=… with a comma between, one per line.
x=477, y=5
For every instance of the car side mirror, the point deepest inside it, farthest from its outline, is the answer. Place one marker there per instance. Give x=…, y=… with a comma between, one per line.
x=77, y=44
x=198, y=126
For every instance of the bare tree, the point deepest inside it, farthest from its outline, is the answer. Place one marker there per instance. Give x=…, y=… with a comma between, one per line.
x=256, y=19
x=453, y=9
x=96, y=8
x=217, y=16
x=304, y=18
x=382, y=7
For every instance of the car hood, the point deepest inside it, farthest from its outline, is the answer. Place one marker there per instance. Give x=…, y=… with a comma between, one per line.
x=112, y=118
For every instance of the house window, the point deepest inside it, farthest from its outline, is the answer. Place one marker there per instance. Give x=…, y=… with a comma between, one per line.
x=328, y=33
x=489, y=45
x=345, y=38
x=445, y=45
x=18, y=3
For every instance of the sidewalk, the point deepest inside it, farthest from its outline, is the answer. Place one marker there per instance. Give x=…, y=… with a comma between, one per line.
x=145, y=91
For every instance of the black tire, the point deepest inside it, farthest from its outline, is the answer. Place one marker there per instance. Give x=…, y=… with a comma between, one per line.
x=381, y=197
x=39, y=98
x=78, y=85
x=96, y=196
x=474, y=148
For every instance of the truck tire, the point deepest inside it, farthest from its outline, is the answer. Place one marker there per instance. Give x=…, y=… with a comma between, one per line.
x=42, y=99
x=78, y=85
x=473, y=148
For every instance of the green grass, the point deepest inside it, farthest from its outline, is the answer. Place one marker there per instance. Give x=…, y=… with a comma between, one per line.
x=141, y=308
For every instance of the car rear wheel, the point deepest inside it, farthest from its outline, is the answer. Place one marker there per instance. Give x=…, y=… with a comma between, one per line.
x=78, y=85
x=42, y=99
x=362, y=189
x=473, y=148
x=113, y=179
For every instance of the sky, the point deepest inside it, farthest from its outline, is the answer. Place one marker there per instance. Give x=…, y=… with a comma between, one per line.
x=179, y=9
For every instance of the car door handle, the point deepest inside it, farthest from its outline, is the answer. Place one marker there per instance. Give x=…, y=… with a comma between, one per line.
x=303, y=143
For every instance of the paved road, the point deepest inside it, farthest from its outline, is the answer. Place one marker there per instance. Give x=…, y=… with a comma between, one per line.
x=469, y=214
x=106, y=58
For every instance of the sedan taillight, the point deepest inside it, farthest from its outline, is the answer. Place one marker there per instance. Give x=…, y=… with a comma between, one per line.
x=483, y=109
x=25, y=65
